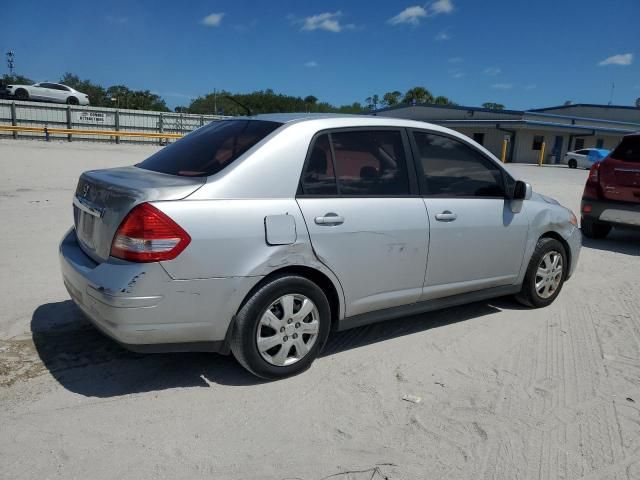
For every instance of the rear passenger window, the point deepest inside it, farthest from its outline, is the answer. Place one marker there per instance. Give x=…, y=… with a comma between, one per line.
x=628, y=150
x=453, y=169
x=370, y=163
x=318, y=177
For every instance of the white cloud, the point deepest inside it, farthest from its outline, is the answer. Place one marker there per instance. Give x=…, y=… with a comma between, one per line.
x=492, y=71
x=410, y=15
x=456, y=60
x=623, y=59
x=324, y=21
x=311, y=64
x=441, y=6
x=443, y=35
x=212, y=20
x=502, y=86
x=531, y=86
x=458, y=75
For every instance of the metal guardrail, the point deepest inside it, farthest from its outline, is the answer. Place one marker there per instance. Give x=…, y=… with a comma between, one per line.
x=30, y=119
x=70, y=131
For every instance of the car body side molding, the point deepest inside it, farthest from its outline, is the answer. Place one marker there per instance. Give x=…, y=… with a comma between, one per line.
x=426, y=306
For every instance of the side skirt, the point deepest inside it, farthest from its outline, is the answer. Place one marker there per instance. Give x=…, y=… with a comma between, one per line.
x=426, y=306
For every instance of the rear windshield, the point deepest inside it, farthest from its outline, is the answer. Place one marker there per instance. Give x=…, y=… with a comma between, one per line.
x=209, y=149
x=628, y=150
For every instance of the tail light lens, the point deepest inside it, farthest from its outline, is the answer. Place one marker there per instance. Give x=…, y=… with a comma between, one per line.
x=592, y=187
x=593, y=173
x=148, y=235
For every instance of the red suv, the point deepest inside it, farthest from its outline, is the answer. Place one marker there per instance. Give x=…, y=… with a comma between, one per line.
x=612, y=193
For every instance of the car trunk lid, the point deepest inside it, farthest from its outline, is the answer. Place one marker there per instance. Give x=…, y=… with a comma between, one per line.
x=620, y=172
x=104, y=197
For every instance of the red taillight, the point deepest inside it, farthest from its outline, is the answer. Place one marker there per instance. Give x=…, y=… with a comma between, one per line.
x=592, y=187
x=593, y=172
x=148, y=235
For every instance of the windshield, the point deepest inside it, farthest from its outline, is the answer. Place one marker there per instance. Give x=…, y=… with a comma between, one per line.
x=210, y=149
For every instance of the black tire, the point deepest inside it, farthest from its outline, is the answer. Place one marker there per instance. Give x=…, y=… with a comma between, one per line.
x=73, y=101
x=573, y=163
x=529, y=295
x=22, y=94
x=595, y=230
x=244, y=336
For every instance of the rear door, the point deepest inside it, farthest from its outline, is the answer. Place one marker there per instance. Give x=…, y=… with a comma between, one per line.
x=476, y=241
x=365, y=218
x=620, y=172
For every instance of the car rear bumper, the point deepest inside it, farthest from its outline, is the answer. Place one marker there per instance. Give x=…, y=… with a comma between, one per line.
x=612, y=213
x=141, y=307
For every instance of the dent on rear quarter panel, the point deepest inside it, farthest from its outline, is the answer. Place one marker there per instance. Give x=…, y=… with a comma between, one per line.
x=228, y=240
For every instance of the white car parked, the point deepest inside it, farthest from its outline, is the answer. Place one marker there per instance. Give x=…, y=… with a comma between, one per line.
x=579, y=158
x=50, y=92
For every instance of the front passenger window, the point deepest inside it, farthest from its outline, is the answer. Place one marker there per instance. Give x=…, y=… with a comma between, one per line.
x=454, y=169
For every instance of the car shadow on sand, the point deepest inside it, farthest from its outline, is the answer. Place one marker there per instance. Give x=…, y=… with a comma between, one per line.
x=86, y=362
x=625, y=241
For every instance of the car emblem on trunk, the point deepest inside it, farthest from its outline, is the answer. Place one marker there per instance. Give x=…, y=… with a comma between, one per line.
x=85, y=189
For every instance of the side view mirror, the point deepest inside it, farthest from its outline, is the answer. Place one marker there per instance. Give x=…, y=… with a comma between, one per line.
x=522, y=191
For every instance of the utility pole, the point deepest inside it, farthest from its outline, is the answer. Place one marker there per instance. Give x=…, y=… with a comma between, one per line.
x=11, y=61
x=215, y=102
x=613, y=86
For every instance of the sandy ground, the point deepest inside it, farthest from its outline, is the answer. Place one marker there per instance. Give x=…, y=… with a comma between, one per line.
x=506, y=392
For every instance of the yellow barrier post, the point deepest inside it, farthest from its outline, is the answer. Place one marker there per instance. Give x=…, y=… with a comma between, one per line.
x=504, y=150
x=541, y=159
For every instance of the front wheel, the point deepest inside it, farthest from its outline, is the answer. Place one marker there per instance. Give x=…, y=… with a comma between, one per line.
x=282, y=327
x=545, y=275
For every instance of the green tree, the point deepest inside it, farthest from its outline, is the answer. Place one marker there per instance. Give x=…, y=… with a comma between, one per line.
x=372, y=102
x=417, y=95
x=15, y=80
x=638, y=102
x=493, y=106
x=121, y=96
x=390, y=99
x=441, y=100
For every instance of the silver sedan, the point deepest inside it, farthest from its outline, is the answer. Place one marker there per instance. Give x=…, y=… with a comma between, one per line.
x=260, y=235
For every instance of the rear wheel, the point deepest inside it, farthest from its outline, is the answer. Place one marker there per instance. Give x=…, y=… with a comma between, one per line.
x=22, y=94
x=72, y=101
x=573, y=163
x=545, y=274
x=282, y=327
x=596, y=230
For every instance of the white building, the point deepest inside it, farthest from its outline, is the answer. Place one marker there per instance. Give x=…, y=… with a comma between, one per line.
x=562, y=128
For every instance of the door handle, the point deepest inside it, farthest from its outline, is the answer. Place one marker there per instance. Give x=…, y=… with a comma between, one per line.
x=446, y=216
x=329, y=219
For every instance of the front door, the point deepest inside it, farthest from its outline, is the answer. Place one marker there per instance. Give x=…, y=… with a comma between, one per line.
x=476, y=241
x=557, y=148
x=365, y=220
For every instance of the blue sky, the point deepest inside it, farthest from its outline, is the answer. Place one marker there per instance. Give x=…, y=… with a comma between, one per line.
x=520, y=53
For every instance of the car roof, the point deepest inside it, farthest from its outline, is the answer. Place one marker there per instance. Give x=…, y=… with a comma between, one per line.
x=346, y=120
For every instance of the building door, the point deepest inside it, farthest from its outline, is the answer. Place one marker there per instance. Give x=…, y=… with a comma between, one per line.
x=557, y=148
